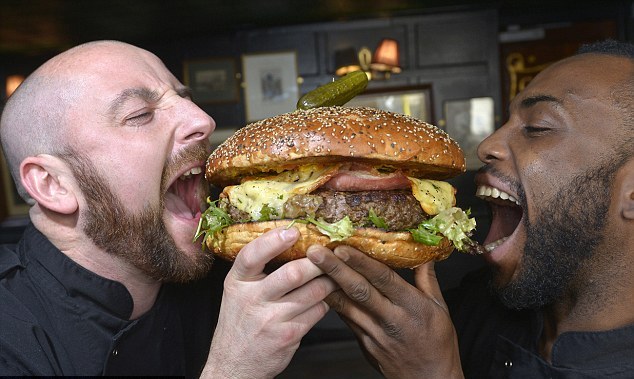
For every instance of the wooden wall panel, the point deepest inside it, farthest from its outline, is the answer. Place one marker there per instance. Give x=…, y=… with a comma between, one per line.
x=456, y=39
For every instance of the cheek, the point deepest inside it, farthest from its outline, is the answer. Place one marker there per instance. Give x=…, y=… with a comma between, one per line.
x=137, y=181
x=541, y=177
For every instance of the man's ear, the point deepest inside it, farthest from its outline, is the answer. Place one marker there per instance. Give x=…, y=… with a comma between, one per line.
x=49, y=182
x=627, y=191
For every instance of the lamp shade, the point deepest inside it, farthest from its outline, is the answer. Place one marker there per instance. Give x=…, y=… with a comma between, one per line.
x=12, y=82
x=346, y=60
x=386, y=56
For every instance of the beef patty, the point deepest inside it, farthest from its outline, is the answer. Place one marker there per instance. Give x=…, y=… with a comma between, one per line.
x=398, y=208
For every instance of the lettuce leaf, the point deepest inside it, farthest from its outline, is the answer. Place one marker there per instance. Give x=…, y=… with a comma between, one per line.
x=379, y=222
x=453, y=223
x=337, y=231
x=212, y=220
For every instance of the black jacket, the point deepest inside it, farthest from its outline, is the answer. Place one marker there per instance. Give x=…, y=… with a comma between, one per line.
x=496, y=342
x=58, y=318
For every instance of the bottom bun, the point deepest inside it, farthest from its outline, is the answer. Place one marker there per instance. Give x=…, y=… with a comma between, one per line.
x=395, y=249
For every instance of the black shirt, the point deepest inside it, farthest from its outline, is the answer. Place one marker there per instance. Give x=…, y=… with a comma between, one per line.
x=57, y=318
x=496, y=342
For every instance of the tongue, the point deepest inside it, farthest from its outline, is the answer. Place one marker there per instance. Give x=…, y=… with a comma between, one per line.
x=177, y=206
x=504, y=223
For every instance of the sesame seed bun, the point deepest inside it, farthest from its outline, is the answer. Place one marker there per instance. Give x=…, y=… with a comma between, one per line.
x=332, y=134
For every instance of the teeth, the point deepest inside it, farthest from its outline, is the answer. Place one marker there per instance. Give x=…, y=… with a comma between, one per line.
x=193, y=171
x=491, y=246
x=486, y=191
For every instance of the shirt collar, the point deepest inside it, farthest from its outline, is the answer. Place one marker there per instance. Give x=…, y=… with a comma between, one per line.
x=78, y=282
x=594, y=349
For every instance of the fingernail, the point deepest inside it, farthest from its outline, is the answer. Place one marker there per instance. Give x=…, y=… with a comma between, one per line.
x=342, y=254
x=289, y=235
x=313, y=254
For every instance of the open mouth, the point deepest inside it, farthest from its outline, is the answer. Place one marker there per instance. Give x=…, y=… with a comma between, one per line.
x=506, y=215
x=186, y=196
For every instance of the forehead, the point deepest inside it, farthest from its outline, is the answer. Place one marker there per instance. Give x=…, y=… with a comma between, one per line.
x=93, y=73
x=582, y=77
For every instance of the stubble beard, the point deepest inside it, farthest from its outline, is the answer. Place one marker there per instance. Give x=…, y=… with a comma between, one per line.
x=561, y=241
x=140, y=239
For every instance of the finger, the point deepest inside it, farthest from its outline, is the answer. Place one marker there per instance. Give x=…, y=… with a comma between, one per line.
x=349, y=310
x=353, y=283
x=380, y=276
x=251, y=260
x=307, y=296
x=425, y=280
x=288, y=277
x=304, y=321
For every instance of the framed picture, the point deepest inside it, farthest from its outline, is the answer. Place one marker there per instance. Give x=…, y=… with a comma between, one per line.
x=212, y=80
x=469, y=122
x=270, y=84
x=412, y=101
x=15, y=206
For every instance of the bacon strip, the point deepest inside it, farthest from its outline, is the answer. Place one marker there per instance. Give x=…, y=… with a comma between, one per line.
x=365, y=178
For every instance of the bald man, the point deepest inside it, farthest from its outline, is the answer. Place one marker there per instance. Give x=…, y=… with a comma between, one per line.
x=108, y=147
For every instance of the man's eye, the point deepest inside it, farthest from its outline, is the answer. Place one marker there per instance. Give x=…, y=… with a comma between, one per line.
x=139, y=119
x=534, y=130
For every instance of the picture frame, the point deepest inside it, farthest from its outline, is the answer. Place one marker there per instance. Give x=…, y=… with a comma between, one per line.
x=415, y=101
x=469, y=121
x=15, y=205
x=270, y=84
x=212, y=80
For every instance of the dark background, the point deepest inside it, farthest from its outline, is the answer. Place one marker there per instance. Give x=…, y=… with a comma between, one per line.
x=459, y=49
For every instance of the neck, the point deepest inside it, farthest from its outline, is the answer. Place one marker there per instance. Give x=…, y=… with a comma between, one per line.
x=602, y=300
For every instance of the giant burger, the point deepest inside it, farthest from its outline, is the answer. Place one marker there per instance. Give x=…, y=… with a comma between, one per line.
x=360, y=176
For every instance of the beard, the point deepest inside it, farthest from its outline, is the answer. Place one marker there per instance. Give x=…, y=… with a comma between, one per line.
x=140, y=239
x=561, y=241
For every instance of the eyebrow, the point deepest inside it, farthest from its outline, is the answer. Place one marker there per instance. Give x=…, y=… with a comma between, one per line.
x=534, y=100
x=132, y=93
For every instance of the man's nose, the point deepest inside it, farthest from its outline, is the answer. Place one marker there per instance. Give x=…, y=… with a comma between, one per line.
x=195, y=124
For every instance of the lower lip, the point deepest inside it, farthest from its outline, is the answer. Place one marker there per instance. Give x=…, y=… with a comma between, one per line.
x=496, y=254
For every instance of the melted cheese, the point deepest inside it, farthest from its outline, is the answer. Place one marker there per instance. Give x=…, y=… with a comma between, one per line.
x=273, y=191
x=434, y=196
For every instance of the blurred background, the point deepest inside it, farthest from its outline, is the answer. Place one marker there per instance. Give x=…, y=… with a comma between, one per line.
x=453, y=63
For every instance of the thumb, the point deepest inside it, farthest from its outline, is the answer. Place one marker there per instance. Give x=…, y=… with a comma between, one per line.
x=427, y=282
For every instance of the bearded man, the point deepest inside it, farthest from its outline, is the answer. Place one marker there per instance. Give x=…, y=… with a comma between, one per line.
x=109, y=148
x=559, y=300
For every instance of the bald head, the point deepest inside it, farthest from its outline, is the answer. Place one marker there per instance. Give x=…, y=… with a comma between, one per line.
x=35, y=118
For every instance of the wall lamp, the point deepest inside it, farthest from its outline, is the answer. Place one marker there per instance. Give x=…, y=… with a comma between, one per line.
x=380, y=65
x=12, y=82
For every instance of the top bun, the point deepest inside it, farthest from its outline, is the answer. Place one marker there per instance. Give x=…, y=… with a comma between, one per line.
x=335, y=134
